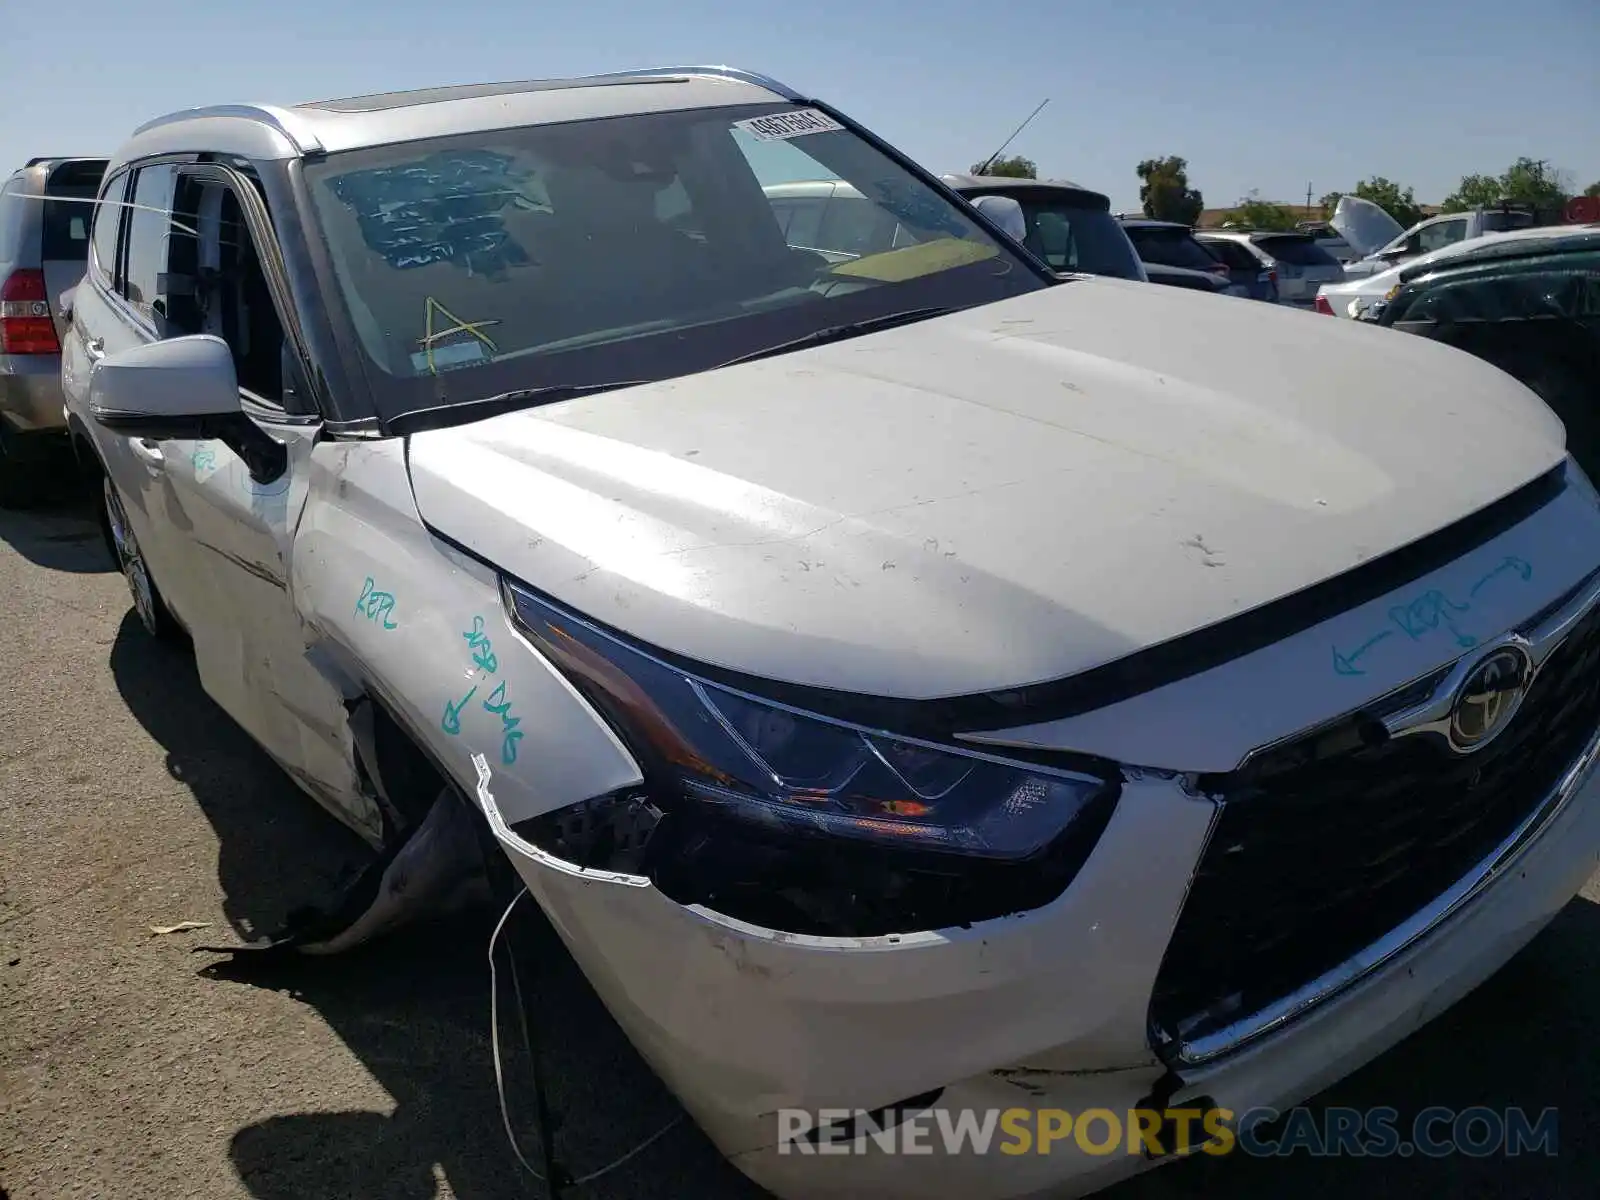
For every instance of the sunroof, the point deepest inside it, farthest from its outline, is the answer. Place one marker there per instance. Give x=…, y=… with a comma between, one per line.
x=381, y=101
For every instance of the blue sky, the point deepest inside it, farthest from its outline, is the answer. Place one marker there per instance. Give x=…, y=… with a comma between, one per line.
x=1255, y=95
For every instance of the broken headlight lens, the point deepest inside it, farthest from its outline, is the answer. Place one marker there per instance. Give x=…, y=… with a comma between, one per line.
x=786, y=772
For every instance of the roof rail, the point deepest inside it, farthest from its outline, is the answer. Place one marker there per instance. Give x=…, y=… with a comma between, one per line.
x=751, y=77
x=265, y=114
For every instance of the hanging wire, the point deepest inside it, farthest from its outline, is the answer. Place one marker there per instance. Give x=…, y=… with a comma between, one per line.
x=499, y=1072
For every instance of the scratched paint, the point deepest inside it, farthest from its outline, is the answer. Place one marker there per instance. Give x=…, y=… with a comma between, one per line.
x=1432, y=613
x=376, y=605
x=497, y=703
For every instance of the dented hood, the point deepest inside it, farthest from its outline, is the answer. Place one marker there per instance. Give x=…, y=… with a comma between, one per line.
x=1363, y=224
x=1012, y=493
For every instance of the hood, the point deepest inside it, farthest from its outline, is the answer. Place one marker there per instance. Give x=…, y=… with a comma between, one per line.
x=1363, y=224
x=1013, y=493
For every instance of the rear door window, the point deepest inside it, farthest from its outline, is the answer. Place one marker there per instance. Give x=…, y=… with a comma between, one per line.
x=149, y=223
x=855, y=225
x=1171, y=248
x=1297, y=251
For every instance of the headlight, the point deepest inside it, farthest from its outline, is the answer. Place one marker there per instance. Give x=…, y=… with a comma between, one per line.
x=737, y=777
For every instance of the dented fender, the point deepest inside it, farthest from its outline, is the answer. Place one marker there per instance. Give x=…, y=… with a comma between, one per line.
x=422, y=629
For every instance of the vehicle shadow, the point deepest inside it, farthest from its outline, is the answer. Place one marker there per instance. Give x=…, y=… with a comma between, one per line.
x=63, y=536
x=413, y=1008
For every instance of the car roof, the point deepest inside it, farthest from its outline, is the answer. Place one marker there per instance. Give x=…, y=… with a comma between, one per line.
x=1151, y=223
x=263, y=131
x=1515, y=243
x=963, y=182
x=39, y=170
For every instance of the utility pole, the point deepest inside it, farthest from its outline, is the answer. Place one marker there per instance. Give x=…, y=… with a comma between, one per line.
x=1308, y=202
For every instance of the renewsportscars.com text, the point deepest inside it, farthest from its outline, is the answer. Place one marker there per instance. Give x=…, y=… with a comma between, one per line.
x=1437, y=1132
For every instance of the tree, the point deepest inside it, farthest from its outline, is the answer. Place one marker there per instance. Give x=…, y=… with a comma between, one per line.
x=1257, y=213
x=1329, y=202
x=1164, y=190
x=1015, y=167
x=1398, y=202
x=1593, y=189
x=1530, y=181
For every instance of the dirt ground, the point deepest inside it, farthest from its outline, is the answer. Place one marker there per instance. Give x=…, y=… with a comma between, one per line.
x=131, y=1067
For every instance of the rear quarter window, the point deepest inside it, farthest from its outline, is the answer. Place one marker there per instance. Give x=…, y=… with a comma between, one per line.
x=69, y=209
x=1297, y=251
x=68, y=214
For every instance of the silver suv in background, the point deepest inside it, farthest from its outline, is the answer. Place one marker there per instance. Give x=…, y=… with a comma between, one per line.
x=45, y=212
x=1299, y=263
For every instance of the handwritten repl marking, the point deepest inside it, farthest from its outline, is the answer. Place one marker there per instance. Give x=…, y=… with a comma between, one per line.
x=451, y=723
x=497, y=704
x=375, y=605
x=1431, y=612
x=203, y=459
x=482, y=648
x=432, y=336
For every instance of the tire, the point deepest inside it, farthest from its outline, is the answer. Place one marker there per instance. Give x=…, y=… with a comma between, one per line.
x=148, y=602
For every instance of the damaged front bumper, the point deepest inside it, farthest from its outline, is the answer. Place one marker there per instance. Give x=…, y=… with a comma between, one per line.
x=1045, y=1009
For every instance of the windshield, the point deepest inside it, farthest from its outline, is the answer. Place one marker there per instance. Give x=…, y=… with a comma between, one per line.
x=502, y=260
x=1169, y=246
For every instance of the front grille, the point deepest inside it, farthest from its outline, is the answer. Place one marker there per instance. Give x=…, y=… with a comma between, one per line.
x=1333, y=841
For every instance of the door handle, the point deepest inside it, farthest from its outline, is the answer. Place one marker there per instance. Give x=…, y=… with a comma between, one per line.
x=148, y=450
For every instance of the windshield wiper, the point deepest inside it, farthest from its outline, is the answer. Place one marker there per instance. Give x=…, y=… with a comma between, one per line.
x=838, y=333
x=464, y=411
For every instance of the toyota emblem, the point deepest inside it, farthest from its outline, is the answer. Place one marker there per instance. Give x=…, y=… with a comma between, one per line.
x=1488, y=697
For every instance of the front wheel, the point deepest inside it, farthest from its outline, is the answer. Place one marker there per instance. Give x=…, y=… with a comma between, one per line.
x=147, y=600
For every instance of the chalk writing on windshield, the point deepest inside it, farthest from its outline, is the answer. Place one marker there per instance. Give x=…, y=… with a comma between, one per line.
x=1430, y=613
x=438, y=350
x=445, y=208
x=375, y=605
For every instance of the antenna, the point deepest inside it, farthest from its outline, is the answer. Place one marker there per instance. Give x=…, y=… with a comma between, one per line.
x=1012, y=138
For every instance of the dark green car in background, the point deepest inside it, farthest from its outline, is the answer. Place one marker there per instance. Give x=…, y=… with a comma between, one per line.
x=1531, y=307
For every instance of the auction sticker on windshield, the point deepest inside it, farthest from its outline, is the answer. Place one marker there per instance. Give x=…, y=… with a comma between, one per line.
x=777, y=127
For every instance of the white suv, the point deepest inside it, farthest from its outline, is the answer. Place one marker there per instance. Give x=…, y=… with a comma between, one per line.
x=906, y=683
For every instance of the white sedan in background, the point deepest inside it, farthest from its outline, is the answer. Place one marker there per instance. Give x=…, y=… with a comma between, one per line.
x=1356, y=298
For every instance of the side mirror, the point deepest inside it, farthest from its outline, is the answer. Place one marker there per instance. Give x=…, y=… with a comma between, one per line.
x=1006, y=213
x=182, y=388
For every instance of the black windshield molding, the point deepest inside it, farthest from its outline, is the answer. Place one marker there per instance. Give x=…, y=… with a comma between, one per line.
x=1205, y=649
